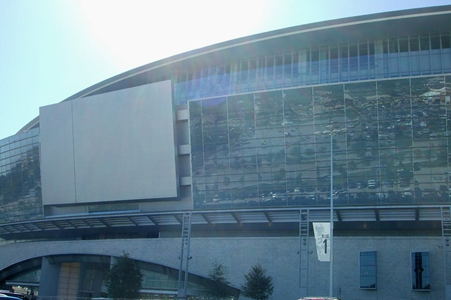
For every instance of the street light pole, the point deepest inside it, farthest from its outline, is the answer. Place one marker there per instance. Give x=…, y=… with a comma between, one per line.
x=331, y=271
x=331, y=131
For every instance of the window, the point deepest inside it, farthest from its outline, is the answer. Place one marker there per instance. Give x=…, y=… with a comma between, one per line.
x=445, y=40
x=420, y=271
x=269, y=68
x=424, y=42
x=368, y=270
x=403, y=44
x=435, y=41
x=314, y=57
x=252, y=70
x=334, y=59
x=413, y=42
x=344, y=57
x=353, y=54
x=287, y=66
x=244, y=65
x=393, y=44
x=278, y=67
x=363, y=53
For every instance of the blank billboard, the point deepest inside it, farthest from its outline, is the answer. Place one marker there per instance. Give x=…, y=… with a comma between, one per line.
x=110, y=147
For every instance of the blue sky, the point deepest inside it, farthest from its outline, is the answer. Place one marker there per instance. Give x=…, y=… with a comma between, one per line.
x=52, y=49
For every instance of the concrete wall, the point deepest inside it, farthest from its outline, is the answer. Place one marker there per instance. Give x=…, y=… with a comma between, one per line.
x=279, y=255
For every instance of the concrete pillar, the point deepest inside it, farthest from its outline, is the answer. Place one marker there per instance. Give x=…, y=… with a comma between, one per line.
x=48, y=285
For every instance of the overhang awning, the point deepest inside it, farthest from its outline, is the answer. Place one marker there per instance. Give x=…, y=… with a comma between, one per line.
x=223, y=217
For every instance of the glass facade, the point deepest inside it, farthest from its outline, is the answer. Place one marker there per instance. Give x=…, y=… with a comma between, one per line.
x=273, y=149
x=20, y=179
x=258, y=129
x=412, y=55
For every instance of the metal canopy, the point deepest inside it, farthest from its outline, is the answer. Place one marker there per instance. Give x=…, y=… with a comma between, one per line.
x=223, y=217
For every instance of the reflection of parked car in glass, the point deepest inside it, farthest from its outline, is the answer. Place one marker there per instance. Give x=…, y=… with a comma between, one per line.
x=407, y=193
x=285, y=122
x=388, y=183
x=352, y=185
x=372, y=184
x=404, y=182
x=361, y=185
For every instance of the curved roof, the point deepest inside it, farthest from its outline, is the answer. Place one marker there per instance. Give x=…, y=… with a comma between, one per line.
x=352, y=29
x=36, y=262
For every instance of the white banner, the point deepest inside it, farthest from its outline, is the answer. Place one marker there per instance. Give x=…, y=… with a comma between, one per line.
x=322, y=238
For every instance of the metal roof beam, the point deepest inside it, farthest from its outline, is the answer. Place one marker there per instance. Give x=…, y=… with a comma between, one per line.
x=337, y=212
x=152, y=220
x=268, y=217
x=204, y=216
x=179, y=218
x=102, y=220
x=133, y=221
x=236, y=218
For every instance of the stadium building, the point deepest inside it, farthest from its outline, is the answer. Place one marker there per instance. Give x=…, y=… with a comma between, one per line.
x=225, y=154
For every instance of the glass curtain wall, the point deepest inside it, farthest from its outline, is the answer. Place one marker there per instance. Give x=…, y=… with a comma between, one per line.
x=413, y=55
x=273, y=149
x=20, y=180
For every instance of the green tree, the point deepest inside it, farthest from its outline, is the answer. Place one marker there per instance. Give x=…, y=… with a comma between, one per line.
x=309, y=152
x=258, y=285
x=280, y=175
x=124, y=279
x=299, y=179
x=218, y=275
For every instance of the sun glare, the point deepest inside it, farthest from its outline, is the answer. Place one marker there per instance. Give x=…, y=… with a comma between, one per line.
x=137, y=31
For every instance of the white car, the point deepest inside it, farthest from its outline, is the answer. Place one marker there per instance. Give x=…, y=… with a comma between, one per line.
x=285, y=122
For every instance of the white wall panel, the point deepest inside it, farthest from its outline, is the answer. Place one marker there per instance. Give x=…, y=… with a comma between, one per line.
x=57, y=155
x=123, y=145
